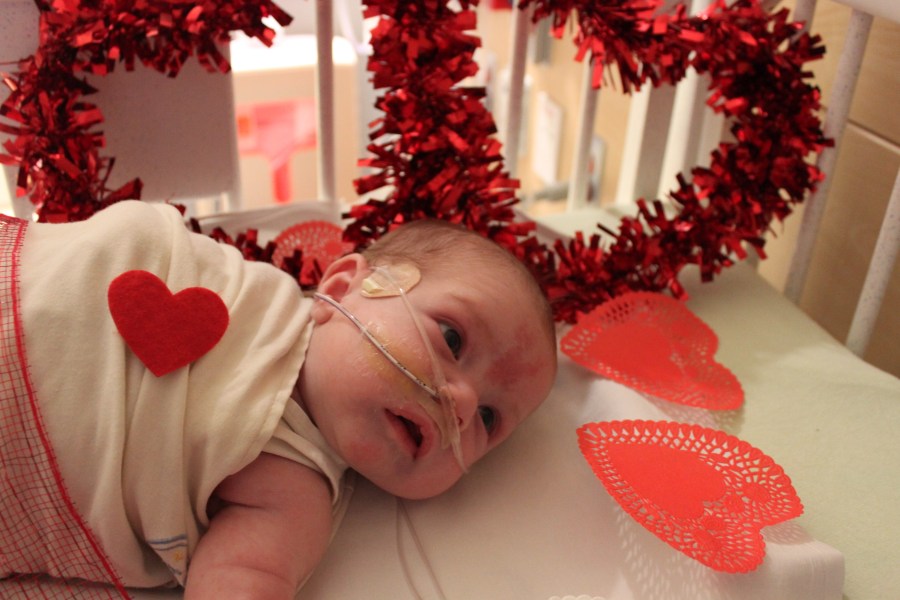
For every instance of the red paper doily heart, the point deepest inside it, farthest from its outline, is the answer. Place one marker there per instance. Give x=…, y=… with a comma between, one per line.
x=165, y=331
x=320, y=241
x=655, y=345
x=702, y=491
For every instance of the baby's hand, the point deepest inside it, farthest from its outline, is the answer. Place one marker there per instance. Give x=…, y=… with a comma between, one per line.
x=270, y=527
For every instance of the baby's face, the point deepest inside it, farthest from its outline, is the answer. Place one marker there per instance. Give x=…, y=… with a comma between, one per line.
x=490, y=345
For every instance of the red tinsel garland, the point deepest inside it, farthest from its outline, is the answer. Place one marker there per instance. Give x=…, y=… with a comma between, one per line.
x=55, y=145
x=755, y=62
x=434, y=148
x=439, y=158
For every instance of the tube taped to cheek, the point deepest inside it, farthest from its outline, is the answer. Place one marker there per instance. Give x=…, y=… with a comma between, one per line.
x=396, y=280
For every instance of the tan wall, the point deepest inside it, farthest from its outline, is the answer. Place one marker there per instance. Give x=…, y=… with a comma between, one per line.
x=868, y=162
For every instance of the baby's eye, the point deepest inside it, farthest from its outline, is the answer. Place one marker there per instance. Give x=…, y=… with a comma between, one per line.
x=488, y=417
x=453, y=339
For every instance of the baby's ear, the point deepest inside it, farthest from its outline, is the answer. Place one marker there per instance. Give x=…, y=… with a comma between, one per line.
x=337, y=281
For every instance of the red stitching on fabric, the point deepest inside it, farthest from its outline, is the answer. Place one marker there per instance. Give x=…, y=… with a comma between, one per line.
x=18, y=381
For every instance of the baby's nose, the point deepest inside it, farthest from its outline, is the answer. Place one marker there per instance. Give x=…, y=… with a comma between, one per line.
x=465, y=400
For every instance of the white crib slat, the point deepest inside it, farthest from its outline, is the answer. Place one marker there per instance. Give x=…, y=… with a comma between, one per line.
x=18, y=38
x=325, y=146
x=684, y=142
x=835, y=120
x=877, y=277
x=649, y=116
x=588, y=110
x=518, y=55
x=803, y=12
x=885, y=9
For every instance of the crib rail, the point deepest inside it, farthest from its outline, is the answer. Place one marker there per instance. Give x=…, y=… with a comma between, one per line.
x=326, y=147
x=835, y=121
x=888, y=244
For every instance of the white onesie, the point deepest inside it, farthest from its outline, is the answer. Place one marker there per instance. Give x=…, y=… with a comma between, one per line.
x=140, y=455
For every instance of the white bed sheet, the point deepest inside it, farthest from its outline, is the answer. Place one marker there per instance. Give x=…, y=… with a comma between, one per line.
x=829, y=418
x=532, y=521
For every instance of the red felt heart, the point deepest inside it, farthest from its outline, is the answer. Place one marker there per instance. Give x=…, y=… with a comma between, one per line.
x=655, y=345
x=702, y=491
x=165, y=331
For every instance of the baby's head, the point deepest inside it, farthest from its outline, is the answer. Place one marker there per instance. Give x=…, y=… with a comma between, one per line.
x=494, y=345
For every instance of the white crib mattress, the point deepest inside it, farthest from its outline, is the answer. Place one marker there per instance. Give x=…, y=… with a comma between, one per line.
x=532, y=521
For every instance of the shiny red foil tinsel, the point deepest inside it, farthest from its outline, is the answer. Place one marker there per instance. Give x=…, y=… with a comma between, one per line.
x=55, y=141
x=434, y=153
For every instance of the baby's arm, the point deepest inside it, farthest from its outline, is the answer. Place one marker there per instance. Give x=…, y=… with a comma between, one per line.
x=271, y=525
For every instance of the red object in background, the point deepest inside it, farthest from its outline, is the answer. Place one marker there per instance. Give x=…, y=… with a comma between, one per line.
x=320, y=243
x=704, y=492
x=277, y=130
x=500, y=4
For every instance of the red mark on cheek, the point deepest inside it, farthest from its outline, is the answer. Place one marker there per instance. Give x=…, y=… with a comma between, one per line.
x=513, y=364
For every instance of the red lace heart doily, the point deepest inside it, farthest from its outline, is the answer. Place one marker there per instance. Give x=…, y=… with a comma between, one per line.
x=702, y=491
x=652, y=343
x=320, y=241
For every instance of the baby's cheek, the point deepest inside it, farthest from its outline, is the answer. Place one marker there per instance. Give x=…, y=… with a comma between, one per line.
x=361, y=450
x=504, y=370
x=409, y=353
x=371, y=361
x=513, y=365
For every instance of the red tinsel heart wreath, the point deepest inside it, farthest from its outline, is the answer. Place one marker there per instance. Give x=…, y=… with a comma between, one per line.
x=434, y=132
x=434, y=148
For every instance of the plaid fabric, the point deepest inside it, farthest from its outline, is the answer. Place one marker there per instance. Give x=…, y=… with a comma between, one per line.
x=41, y=531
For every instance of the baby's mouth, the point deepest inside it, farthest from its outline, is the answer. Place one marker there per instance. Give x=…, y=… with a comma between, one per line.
x=414, y=431
x=410, y=431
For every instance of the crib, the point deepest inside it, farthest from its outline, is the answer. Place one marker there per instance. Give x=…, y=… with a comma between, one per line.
x=531, y=520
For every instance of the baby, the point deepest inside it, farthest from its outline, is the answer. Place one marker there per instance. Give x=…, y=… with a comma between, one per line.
x=225, y=472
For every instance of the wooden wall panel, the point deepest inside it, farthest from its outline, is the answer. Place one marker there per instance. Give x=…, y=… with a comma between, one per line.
x=867, y=166
x=878, y=91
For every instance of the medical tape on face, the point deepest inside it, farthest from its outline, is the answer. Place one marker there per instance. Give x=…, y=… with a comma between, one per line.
x=439, y=394
x=391, y=281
